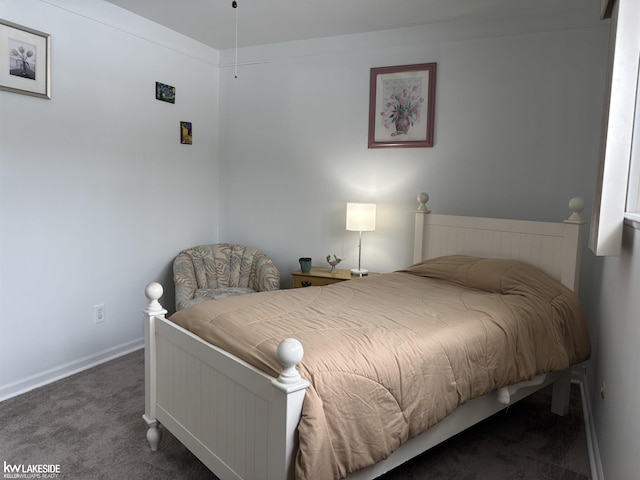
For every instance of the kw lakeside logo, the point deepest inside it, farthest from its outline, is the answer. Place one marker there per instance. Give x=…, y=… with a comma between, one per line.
x=30, y=471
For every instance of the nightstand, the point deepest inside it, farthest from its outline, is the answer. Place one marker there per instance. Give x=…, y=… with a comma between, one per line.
x=319, y=276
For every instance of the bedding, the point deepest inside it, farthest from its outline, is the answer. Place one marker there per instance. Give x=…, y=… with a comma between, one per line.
x=388, y=356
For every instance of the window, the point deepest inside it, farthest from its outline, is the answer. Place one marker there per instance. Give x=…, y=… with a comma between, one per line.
x=632, y=214
x=619, y=177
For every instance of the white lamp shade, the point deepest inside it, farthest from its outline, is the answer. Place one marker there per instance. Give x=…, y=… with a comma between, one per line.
x=361, y=217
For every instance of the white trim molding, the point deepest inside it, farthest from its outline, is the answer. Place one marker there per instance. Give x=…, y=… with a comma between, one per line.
x=633, y=220
x=66, y=370
x=595, y=463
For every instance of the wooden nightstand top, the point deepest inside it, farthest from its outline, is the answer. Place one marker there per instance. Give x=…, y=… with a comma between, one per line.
x=323, y=272
x=319, y=276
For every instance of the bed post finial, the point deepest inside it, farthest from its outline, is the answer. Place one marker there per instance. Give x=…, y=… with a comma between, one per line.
x=289, y=354
x=153, y=292
x=423, y=198
x=576, y=205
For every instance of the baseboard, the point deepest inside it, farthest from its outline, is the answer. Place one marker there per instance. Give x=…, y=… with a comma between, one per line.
x=49, y=376
x=579, y=377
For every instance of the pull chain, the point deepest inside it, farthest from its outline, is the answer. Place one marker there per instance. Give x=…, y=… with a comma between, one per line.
x=234, y=4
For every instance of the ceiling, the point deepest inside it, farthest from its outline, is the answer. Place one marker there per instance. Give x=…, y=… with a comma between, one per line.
x=213, y=22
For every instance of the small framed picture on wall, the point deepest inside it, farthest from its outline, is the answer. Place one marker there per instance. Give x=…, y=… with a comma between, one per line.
x=25, y=56
x=165, y=93
x=186, y=134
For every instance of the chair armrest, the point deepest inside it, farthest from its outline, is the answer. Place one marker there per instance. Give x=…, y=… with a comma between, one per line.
x=184, y=278
x=267, y=276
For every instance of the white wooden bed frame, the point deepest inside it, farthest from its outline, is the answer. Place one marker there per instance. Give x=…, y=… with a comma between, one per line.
x=241, y=423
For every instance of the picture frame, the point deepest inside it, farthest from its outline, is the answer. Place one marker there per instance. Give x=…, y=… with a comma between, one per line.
x=186, y=133
x=25, y=60
x=402, y=106
x=165, y=93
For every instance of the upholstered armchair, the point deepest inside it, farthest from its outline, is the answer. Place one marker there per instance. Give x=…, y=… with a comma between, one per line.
x=211, y=272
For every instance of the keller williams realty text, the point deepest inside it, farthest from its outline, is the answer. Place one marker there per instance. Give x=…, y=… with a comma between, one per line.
x=31, y=471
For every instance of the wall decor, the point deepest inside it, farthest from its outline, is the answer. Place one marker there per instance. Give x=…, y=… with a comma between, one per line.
x=166, y=93
x=25, y=56
x=402, y=106
x=186, y=133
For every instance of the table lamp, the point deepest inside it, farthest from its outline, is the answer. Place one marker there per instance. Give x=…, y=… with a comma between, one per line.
x=361, y=217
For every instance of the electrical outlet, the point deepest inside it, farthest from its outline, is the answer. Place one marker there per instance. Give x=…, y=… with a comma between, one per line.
x=98, y=313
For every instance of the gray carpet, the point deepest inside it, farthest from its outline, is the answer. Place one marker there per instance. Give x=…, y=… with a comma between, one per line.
x=90, y=424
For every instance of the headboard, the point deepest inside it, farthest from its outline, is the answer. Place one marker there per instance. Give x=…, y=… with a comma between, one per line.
x=553, y=247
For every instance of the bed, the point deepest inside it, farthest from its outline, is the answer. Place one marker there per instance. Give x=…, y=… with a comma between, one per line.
x=248, y=413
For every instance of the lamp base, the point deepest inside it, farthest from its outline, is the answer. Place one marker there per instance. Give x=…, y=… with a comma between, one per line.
x=360, y=272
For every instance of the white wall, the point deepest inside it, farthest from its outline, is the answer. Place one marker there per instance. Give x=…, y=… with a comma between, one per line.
x=517, y=129
x=616, y=307
x=91, y=178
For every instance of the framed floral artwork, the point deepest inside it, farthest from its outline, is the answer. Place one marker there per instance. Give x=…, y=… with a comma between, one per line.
x=402, y=106
x=25, y=56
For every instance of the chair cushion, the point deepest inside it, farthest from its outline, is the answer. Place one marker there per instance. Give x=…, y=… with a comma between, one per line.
x=218, y=293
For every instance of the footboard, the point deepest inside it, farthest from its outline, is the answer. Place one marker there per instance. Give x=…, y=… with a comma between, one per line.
x=240, y=422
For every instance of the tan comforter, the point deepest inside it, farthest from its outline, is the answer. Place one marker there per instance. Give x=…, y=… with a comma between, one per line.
x=390, y=355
